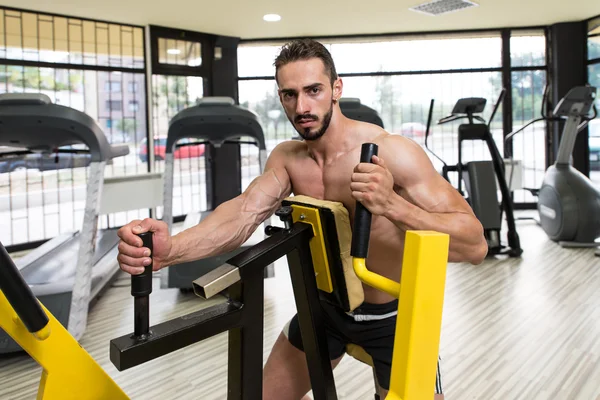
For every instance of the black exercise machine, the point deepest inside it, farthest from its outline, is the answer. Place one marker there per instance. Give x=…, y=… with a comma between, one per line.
x=480, y=177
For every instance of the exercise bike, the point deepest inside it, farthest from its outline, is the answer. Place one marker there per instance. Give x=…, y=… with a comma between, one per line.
x=568, y=202
x=481, y=177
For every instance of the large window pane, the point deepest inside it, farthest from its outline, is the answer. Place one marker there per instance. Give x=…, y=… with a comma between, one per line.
x=261, y=97
x=528, y=49
x=42, y=196
x=529, y=145
x=594, y=126
x=417, y=54
x=257, y=60
x=594, y=47
x=407, y=54
x=171, y=95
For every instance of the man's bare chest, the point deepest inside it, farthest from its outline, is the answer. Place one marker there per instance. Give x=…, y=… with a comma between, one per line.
x=327, y=183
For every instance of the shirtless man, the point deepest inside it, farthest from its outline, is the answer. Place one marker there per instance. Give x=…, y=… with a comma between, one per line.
x=401, y=189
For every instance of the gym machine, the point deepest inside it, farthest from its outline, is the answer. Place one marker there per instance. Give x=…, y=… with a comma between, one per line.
x=568, y=202
x=69, y=271
x=216, y=121
x=352, y=108
x=317, y=259
x=480, y=177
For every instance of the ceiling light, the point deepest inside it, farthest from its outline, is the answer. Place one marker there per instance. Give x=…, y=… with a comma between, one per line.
x=173, y=51
x=272, y=17
x=438, y=7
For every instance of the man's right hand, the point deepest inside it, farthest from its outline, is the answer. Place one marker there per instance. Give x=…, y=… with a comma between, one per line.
x=132, y=256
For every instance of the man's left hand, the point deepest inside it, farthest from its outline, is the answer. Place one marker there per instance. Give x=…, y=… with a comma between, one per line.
x=373, y=185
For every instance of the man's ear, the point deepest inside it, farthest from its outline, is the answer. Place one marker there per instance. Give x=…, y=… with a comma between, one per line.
x=338, y=85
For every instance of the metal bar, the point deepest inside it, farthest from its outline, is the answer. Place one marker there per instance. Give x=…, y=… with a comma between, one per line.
x=311, y=323
x=19, y=294
x=245, y=355
x=85, y=67
x=391, y=73
x=83, y=276
x=507, y=115
x=128, y=351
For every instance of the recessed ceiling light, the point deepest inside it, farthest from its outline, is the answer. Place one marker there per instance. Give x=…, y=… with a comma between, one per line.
x=272, y=17
x=173, y=51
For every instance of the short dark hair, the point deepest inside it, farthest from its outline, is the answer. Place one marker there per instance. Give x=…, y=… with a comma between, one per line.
x=304, y=49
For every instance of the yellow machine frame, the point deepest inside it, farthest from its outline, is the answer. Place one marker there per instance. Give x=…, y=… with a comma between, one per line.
x=420, y=306
x=69, y=372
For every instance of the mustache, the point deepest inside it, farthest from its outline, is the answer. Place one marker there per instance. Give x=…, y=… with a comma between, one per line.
x=306, y=117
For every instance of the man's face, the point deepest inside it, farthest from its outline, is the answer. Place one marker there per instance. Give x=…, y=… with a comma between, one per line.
x=307, y=96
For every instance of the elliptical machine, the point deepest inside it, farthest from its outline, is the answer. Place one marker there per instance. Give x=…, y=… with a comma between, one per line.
x=568, y=202
x=480, y=177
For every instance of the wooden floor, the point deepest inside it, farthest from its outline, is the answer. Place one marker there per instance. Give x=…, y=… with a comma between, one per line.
x=512, y=329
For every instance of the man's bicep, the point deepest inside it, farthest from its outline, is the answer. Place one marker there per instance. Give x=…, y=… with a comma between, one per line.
x=264, y=195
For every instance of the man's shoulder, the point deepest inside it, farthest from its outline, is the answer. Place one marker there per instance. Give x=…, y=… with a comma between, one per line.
x=289, y=147
x=382, y=137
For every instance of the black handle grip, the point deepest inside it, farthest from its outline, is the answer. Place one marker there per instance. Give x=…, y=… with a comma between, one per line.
x=141, y=287
x=19, y=294
x=362, y=216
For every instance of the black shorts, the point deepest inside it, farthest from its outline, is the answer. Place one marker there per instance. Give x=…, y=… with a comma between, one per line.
x=370, y=326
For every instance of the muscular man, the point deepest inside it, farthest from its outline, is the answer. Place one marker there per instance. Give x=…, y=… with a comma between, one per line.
x=401, y=189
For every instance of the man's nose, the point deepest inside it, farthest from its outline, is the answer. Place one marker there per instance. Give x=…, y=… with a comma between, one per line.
x=302, y=105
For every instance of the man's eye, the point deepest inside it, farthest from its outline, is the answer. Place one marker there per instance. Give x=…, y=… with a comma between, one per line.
x=315, y=90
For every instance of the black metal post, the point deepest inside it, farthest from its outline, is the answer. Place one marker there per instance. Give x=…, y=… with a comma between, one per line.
x=245, y=367
x=311, y=323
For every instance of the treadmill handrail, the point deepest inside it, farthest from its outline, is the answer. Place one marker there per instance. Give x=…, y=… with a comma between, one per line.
x=28, y=122
x=215, y=122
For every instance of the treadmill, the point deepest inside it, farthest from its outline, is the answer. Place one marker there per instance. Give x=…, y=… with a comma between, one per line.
x=67, y=272
x=352, y=108
x=216, y=121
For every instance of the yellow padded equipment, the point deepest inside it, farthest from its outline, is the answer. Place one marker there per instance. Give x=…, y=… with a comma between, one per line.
x=336, y=235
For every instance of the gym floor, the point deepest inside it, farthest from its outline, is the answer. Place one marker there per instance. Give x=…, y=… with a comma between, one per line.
x=513, y=329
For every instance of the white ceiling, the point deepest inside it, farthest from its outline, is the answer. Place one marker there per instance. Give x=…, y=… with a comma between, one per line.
x=243, y=18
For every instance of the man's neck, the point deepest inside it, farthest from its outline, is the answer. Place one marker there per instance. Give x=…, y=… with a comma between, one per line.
x=336, y=141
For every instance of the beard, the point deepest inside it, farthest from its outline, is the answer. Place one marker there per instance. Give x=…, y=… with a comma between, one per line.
x=311, y=134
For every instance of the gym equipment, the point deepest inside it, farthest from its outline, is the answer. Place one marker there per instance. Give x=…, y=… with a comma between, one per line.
x=69, y=372
x=69, y=271
x=568, y=202
x=352, y=108
x=217, y=121
x=318, y=266
x=419, y=320
x=480, y=177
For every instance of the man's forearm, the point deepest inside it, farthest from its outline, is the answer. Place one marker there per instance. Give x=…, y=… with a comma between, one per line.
x=466, y=235
x=224, y=230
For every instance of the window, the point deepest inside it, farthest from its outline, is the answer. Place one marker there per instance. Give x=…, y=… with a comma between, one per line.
x=92, y=59
x=134, y=105
x=399, y=75
x=113, y=86
x=179, y=52
x=171, y=95
x=114, y=105
x=132, y=87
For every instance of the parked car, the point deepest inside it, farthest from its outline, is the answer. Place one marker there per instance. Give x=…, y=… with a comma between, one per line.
x=43, y=162
x=413, y=129
x=594, y=141
x=160, y=149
